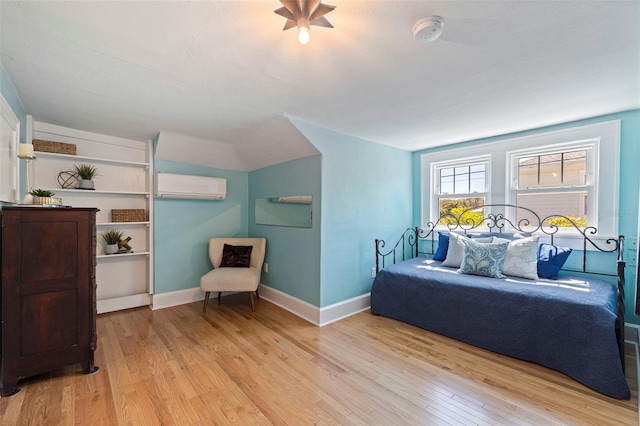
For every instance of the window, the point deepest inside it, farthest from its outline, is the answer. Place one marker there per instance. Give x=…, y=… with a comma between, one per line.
x=573, y=171
x=460, y=186
x=555, y=181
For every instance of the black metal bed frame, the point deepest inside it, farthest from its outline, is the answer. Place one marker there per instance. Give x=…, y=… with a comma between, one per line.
x=408, y=245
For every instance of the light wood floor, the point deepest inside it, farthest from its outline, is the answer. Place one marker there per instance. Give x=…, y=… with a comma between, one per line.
x=176, y=366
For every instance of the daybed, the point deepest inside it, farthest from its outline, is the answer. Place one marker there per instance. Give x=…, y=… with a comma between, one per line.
x=573, y=324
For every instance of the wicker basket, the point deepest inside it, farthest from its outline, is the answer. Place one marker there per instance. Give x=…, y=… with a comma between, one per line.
x=128, y=215
x=56, y=147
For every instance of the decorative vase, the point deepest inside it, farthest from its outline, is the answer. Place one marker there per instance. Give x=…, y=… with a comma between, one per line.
x=86, y=184
x=47, y=200
x=111, y=248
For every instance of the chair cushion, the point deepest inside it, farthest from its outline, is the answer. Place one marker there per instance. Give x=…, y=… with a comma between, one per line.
x=231, y=279
x=236, y=256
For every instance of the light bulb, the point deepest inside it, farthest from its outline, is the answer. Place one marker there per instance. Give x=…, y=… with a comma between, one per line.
x=303, y=35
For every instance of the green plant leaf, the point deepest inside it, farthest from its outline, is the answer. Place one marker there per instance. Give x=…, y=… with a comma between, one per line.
x=112, y=236
x=86, y=171
x=42, y=193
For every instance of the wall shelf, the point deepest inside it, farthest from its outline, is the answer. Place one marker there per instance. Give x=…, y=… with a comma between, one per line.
x=97, y=191
x=112, y=256
x=53, y=155
x=122, y=223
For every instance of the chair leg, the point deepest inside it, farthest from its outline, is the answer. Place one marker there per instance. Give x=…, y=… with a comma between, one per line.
x=257, y=294
x=219, y=295
x=253, y=307
x=206, y=302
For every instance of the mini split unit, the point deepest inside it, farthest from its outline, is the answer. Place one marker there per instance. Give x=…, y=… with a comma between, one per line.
x=169, y=185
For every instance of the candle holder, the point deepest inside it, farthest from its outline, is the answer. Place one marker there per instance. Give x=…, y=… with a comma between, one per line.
x=28, y=198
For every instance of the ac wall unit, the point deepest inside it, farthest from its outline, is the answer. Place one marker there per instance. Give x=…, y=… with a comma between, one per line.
x=169, y=185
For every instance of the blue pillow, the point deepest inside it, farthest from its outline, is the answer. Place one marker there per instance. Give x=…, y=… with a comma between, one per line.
x=483, y=259
x=443, y=246
x=551, y=259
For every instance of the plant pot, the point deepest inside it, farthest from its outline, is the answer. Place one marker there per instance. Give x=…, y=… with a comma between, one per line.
x=86, y=184
x=111, y=248
x=47, y=200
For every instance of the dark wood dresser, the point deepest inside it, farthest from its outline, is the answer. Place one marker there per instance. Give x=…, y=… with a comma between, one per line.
x=48, y=291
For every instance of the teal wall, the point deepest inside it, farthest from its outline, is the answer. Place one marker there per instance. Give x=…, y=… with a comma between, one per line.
x=627, y=209
x=293, y=254
x=183, y=227
x=366, y=194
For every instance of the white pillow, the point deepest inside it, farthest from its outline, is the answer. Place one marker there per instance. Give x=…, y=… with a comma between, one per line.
x=522, y=257
x=455, y=253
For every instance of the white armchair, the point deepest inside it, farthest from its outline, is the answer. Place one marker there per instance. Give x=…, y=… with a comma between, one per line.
x=233, y=278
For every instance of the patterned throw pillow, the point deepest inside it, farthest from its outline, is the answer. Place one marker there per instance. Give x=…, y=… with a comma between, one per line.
x=522, y=257
x=483, y=259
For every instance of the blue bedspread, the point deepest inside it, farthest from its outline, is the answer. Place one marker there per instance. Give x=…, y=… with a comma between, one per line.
x=568, y=325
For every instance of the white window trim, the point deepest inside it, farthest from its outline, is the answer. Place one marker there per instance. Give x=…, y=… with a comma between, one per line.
x=435, y=189
x=607, y=132
x=593, y=156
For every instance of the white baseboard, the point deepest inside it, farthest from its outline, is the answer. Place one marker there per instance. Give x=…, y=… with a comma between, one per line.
x=180, y=297
x=346, y=308
x=175, y=298
x=296, y=306
x=120, y=303
x=311, y=313
x=632, y=333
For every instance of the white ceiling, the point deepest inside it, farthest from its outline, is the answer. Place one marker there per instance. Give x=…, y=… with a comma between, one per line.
x=222, y=76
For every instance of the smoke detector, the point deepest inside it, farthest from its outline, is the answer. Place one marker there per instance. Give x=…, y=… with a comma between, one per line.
x=428, y=29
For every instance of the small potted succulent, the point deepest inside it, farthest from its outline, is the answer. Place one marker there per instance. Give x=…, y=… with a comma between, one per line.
x=112, y=238
x=44, y=196
x=86, y=173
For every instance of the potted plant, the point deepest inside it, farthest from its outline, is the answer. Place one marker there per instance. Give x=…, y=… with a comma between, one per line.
x=44, y=196
x=112, y=237
x=86, y=173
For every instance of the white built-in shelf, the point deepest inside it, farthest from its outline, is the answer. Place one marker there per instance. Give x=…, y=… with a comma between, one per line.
x=112, y=256
x=125, y=166
x=81, y=157
x=97, y=191
x=121, y=223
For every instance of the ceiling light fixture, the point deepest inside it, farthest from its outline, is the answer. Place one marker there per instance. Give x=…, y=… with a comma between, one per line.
x=428, y=29
x=303, y=14
x=303, y=33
